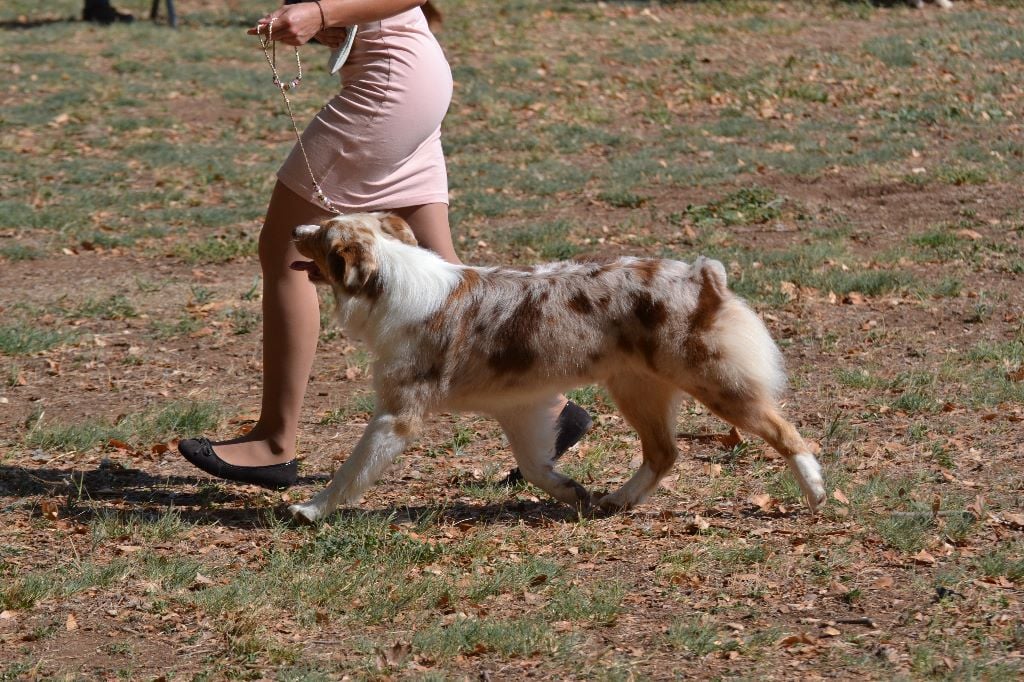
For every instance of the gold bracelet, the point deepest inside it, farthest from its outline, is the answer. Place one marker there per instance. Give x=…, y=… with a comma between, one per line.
x=323, y=19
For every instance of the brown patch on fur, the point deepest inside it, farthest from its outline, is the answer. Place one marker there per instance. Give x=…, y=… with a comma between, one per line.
x=648, y=270
x=652, y=314
x=470, y=281
x=580, y=303
x=399, y=229
x=708, y=303
x=514, y=353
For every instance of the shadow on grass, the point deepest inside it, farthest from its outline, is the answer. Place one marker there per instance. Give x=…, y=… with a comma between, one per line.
x=16, y=25
x=193, y=499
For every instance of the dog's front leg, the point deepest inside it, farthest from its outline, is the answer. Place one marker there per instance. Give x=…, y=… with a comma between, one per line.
x=384, y=439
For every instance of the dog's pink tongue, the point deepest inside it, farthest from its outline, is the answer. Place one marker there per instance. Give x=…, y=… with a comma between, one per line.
x=306, y=266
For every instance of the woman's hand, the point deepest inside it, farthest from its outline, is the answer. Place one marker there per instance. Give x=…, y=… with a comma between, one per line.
x=293, y=24
x=332, y=37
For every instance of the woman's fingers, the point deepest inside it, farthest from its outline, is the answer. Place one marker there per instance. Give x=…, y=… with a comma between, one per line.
x=291, y=25
x=263, y=25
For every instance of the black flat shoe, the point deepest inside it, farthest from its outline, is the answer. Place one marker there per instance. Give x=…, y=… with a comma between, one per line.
x=573, y=424
x=199, y=452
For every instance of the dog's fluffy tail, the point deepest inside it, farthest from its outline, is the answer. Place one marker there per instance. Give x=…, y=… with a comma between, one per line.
x=747, y=359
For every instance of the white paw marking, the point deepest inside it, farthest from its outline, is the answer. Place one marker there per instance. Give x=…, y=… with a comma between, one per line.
x=304, y=513
x=811, y=481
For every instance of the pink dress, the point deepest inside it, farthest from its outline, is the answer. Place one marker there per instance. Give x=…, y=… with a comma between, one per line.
x=377, y=144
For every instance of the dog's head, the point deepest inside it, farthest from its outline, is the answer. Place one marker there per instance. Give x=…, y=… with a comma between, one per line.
x=344, y=250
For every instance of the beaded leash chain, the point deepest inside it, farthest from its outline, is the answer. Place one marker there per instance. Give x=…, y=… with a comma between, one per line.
x=270, y=52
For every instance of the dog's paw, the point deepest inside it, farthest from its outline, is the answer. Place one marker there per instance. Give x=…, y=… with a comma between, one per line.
x=611, y=504
x=809, y=476
x=815, y=500
x=304, y=513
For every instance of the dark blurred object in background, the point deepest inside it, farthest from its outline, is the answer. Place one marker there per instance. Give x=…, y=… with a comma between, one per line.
x=101, y=12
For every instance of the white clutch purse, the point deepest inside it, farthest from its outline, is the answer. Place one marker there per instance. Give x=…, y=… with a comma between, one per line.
x=340, y=53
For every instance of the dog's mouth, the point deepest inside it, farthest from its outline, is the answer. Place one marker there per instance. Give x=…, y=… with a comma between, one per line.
x=310, y=268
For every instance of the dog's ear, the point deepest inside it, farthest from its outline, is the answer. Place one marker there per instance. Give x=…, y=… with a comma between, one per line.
x=394, y=226
x=352, y=265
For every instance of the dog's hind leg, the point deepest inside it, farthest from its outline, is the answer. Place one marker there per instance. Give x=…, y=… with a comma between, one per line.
x=385, y=437
x=531, y=434
x=760, y=417
x=649, y=405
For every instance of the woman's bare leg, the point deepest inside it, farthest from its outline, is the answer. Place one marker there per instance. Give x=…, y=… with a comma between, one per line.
x=429, y=223
x=291, y=325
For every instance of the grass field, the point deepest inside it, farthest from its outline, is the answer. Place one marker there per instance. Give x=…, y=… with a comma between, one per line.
x=857, y=168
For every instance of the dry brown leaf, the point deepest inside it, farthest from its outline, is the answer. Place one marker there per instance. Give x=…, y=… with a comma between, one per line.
x=793, y=640
x=923, y=557
x=200, y=582
x=71, y=623
x=854, y=298
x=1014, y=520
x=731, y=439
x=763, y=501
x=49, y=509
x=840, y=496
x=1016, y=375
x=837, y=588
x=830, y=631
x=884, y=582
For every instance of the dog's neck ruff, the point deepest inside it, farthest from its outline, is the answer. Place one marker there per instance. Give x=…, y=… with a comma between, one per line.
x=415, y=282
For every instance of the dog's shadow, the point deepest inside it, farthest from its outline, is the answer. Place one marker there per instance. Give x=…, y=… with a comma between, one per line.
x=89, y=494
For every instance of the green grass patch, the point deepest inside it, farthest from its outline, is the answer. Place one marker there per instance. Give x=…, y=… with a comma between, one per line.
x=18, y=252
x=745, y=206
x=21, y=339
x=549, y=240
x=1007, y=562
x=694, y=637
x=140, y=429
x=216, y=249
x=513, y=637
